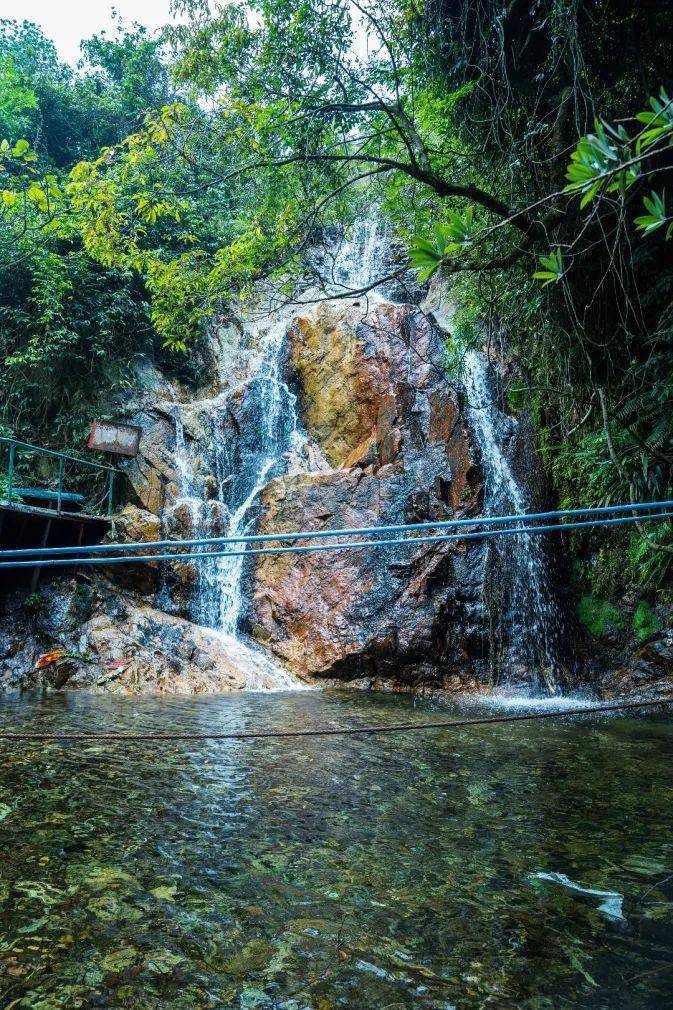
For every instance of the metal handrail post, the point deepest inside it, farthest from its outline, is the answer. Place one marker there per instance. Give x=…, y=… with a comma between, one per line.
x=14, y=444
x=60, y=483
x=10, y=473
x=111, y=481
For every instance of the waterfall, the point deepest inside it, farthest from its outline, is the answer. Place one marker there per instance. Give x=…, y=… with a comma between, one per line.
x=200, y=522
x=274, y=407
x=250, y=434
x=535, y=615
x=217, y=600
x=361, y=255
x=270, y=434
x=534, y=618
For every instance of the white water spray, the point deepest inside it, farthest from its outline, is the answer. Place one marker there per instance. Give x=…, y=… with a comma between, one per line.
x=537, y=616
x=275, y=409
x=361, y=256
x=218, y=597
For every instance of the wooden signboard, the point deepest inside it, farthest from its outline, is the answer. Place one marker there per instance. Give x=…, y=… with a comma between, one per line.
x=120, y=439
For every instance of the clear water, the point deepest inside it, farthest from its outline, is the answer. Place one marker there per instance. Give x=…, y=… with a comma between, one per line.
x=377, y=873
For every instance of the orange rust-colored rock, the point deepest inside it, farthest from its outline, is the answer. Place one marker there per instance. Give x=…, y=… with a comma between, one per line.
x=363, y=454
x=448, y=427
x=348, y=361
x=375, y=398
x=355, y=613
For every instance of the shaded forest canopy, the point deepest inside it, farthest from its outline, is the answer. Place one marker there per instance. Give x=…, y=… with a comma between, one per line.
x=520, y=149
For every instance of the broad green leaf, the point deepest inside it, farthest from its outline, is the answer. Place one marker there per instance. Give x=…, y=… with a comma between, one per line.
x=36, y=193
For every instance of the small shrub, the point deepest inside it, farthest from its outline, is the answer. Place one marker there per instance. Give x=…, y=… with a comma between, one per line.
x=4, y=488
x=34, y=604
x=599, y=617
x=645, y=621
x=517, y=396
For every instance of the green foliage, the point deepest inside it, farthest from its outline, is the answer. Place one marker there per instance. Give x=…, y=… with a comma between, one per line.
x=130, y=72
x=584, y=472
x=34, y=604
x=68, y=330
x=464, y=336
x=517, y=397
x=426, y=256
x=73, y=114
x=599, y=571
x=69, y=327
x=648, y=566
x=19, y=100
x=611, y=161
x=599, y=617
x=452, y=236
x=656, y=216
x=4, y=490
x=553, y=268
x=28, y=200
x=658, y=119
x=596, y=163
x=645, y=621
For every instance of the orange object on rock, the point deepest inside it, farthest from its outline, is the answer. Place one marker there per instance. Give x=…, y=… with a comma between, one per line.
x=47, y=658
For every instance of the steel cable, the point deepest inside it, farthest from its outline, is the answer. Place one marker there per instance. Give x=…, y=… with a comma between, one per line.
x=71, y=559
x=355, y=531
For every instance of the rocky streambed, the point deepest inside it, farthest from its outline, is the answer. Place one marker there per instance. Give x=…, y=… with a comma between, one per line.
x=423, y=871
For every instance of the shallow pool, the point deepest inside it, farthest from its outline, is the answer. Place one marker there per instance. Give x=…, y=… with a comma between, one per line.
x=429, y=870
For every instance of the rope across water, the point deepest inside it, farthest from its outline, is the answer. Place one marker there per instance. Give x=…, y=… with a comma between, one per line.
x=403, y=727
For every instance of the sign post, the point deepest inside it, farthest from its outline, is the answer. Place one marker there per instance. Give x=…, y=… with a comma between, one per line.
x=118, y=439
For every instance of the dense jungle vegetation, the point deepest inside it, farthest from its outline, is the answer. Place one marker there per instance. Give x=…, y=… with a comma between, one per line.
x=520, y=148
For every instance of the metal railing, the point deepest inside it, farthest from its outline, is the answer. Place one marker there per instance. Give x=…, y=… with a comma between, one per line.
x=492, y=526
x=10, y=494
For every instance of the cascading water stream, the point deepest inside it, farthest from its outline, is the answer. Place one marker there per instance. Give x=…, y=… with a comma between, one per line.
x=218, y=598
x=276, y=416
x=360, y=256
x=272, y=434
x=535, y=614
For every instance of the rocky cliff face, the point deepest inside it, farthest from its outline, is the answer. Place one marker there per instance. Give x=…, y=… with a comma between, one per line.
x=367, y=431
x=338, y=414
x=375, y=400
x=332, y=414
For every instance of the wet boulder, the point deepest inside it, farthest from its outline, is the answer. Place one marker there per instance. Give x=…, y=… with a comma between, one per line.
x=85, y=632
x=135, y=525
x=375, y=398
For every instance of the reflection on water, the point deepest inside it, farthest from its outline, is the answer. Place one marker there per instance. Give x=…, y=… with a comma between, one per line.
x=425, y=871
